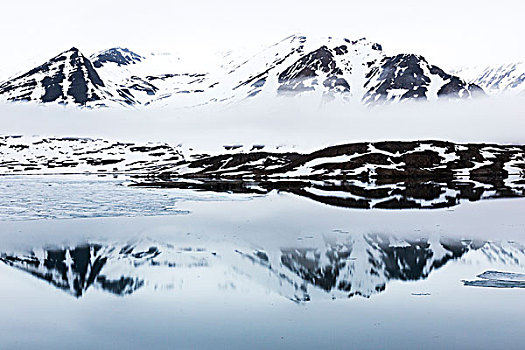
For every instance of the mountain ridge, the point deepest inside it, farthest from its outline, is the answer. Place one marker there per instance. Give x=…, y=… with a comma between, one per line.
x=324, y=68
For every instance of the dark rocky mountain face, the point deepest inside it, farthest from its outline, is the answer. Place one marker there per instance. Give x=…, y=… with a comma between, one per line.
x=353, y=69
x=408, y=76
x=456, y=87
x=399, y=72
x=120, y=56
x=68, y=77
x=296, y=65
x=293, y=78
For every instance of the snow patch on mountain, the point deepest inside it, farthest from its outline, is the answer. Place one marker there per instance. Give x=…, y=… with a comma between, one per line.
x=507, y=78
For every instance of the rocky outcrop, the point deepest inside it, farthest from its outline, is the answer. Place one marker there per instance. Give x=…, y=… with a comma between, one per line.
x=300, y=76
x=408, y=76
x=67, y=77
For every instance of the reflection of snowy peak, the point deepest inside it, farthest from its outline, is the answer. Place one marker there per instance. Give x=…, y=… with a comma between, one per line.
x=362, y=265
x=505, y=78
x=73, y=270
x=356, y=265
x=319, y=68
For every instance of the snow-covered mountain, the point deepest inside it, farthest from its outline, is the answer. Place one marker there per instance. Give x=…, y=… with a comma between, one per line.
x=149, y=78
x=334, y=267
x=114, y=77
x=408, y=76
x=352, y=69
x=66, y=78
x=119, y=56
x=496, y=79
x=323, y=68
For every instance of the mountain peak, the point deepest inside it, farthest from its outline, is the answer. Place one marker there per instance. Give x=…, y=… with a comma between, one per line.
x=118, y=55
x=67, y=77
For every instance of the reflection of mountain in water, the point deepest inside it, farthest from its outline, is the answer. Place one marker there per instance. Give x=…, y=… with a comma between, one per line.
x=347, y=266
x=363, y=267
x=73, y=269
x=392, y=194
x=386, y=175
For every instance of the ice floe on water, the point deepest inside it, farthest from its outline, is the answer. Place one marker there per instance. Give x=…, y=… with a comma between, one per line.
x=498, y=279
x=67, y=197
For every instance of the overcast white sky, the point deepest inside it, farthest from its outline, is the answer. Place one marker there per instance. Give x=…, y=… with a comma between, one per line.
x=447, y=32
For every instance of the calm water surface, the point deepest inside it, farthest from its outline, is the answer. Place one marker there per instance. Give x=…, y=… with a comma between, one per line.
x=90, y=263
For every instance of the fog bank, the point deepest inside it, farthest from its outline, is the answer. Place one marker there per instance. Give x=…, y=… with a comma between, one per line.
x=301, y=123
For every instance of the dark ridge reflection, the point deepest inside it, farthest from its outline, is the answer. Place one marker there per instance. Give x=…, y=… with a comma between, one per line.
x=411, y=193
